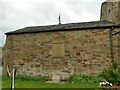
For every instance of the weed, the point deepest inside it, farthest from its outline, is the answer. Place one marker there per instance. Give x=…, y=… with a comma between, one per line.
x=111, y=74
x=85, y=79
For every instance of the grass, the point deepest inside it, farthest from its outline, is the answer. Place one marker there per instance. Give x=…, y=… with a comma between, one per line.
x=0, y=82
x=23, y=82
x=39, y=84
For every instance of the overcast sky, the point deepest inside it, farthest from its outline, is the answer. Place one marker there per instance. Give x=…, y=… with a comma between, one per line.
x=16, y=14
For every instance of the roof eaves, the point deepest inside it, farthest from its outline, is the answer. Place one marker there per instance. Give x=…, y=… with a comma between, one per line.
x=63, y=27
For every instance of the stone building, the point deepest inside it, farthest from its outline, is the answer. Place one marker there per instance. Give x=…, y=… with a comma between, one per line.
x=73, y=48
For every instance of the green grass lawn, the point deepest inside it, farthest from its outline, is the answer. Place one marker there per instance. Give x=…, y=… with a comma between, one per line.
x=39, y=82
x=0, y=82
x=42, y=84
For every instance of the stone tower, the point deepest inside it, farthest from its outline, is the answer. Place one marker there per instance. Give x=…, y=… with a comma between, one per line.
x=110, y=11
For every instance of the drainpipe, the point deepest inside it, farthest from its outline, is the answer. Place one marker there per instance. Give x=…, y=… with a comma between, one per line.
x=111, y=45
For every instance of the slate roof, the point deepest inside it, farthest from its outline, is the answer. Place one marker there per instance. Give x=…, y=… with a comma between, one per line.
x=65, y=27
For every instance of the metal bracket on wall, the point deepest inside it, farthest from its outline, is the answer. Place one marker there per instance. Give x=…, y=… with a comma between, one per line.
x=116, y=33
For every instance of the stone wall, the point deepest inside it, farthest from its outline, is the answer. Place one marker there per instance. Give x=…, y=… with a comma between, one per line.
x=84, y=52
x=116, y=46
x=110, y=11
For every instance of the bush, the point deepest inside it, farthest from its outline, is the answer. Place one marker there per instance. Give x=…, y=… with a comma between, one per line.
x=85, y=79
x=111, y=74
